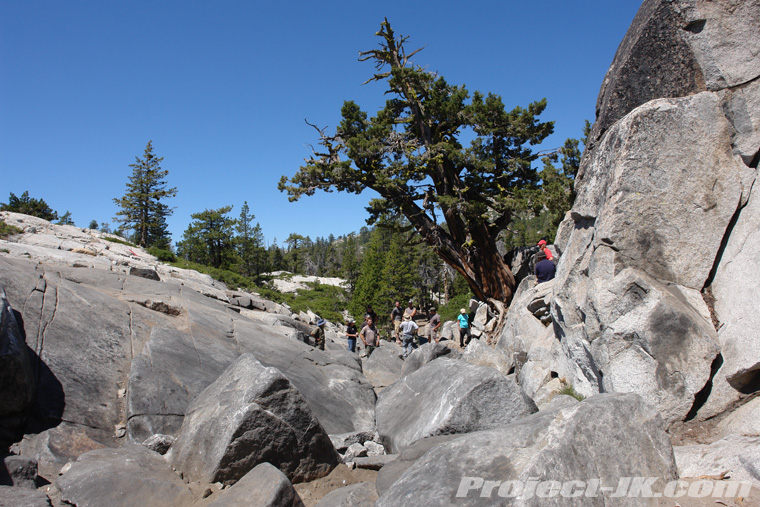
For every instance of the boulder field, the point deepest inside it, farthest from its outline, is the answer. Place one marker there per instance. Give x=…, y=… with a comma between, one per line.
x=126, y=381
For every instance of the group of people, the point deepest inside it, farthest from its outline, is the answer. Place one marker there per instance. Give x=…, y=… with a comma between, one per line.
x=406, y=330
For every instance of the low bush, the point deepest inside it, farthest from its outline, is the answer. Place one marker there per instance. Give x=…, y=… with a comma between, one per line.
x=7, y=230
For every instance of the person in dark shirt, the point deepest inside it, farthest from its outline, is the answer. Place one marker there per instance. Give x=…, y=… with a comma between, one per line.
x=545, y=269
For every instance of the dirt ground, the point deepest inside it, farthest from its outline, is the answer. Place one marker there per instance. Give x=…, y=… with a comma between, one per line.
x=312, y=492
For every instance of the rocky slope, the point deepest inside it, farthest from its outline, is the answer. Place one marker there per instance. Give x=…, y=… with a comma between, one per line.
x=103, y=348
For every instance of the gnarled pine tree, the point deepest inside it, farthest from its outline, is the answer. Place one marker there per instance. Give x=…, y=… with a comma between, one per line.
x=411, y=153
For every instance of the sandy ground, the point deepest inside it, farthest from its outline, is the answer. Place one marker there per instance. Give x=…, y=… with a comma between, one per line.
x=312, y=492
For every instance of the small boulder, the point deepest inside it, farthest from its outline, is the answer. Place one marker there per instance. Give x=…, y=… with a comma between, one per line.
x=264, y=486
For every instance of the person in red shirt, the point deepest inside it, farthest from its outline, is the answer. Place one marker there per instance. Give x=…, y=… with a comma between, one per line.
x=542, y=247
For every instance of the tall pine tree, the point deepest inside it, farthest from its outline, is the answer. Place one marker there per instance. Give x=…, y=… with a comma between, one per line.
x=141, y=209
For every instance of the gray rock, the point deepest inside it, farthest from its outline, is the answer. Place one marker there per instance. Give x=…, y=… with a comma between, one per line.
x=447, y=396
x=150, y=274
x=19, y=471
x=423, y=355
x=395, y=468
x=159, y=443
x=739, y=455
x=250, y=415
x=264, y=486
x=586, y=440
x=355, y=495
x=480, y=354
x=354, y=451
x=22, y=497
x=17, y=383
x=384, y=366
x=105, y=476
x=745, y=420
x=343, y=440
x=374, y=462
x=373, y=448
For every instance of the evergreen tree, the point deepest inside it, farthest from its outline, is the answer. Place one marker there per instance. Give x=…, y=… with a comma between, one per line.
x=369, y=283
x=250, y=244
x=29, y=206
x=349, y=268
x=141, y=208
x=411, y=154
x=65, y=219
x=209, y=239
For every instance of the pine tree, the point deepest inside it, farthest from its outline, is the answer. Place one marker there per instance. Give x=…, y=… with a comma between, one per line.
x=141, y=208
x=29, y=206
x=209, y=239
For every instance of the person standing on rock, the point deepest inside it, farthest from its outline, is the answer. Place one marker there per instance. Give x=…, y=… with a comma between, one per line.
x=545, y=268
x=370, y=336
x=408, y=330
x=464, y=328
x=434, y=325
x=397, y=315
x=318, y=333
x=351, y=334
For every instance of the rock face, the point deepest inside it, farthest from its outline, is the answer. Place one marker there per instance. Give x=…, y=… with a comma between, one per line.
x=584, y=440
x=250, y=415
x=447, y=396
x=150, y=347
x=661, y=248
x=104, y=476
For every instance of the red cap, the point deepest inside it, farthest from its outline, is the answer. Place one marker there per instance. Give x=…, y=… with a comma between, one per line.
x=542, y=242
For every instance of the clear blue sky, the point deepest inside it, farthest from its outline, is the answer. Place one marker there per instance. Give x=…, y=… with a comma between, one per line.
x=222, y=89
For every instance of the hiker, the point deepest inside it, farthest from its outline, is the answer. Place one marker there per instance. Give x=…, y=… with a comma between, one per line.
x=546, y=251
x=351, y=334
x=545, y=268
x=434, y=325
x=370, y=336
x=397, y=315
x=410, y=310
x=464, y=328
x=369, y=314
x=318, y=333
x=408, y=330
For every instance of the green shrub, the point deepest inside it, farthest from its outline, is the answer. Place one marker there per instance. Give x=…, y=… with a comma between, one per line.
x=570, y=391
x=113, y=239
x=162, y=255
x=450, y=311
x=8, y=230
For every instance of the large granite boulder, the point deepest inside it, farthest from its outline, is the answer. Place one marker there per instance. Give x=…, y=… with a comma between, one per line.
x=264, y=486
x=660, y=251
x=130, y=475
x=447, y=396
x=250, y=415
x=582, y=442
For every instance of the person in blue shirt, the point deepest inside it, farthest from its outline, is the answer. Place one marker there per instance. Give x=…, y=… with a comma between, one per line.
x=464, y=328
x=545, y=268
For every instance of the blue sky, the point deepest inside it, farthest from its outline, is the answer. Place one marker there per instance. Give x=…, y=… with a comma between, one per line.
x=222, y=89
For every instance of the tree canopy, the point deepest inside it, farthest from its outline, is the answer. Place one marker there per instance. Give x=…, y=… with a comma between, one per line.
x=29, y=206
x=413, y=154
x=142, y=209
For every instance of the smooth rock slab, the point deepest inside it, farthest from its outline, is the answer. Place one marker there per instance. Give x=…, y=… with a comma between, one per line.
x=129, y=475
x=250, y=415
x=22, y=497
x=447, y=396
